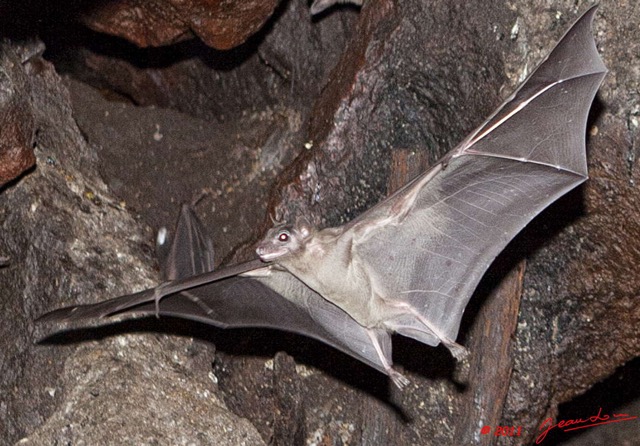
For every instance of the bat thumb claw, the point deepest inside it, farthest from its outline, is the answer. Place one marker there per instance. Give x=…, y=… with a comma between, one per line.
x=157, y=295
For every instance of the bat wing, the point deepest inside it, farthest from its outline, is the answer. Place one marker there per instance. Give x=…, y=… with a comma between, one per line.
x=527, y=154
x=191, y=251
x=226, y=299
x=260, y=302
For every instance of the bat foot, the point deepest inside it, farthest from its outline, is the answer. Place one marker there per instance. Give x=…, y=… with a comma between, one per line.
x=398, y=378
x=458, y=351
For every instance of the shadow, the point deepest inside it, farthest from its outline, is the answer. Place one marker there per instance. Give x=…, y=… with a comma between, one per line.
x=62, y=50
x=9, y=184
x=59, y=27
x=618, y=393
x=59, y=22
x=28, y=18
x=64, y=36
x=256, y=342
x=429, y=362
x=338, y=8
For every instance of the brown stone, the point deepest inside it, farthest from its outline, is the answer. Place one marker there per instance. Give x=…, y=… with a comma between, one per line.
x=221, y=24
x=16, y=117
x=16, y=152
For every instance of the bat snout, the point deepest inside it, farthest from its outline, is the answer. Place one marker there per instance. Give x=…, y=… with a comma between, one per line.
x=269, y=253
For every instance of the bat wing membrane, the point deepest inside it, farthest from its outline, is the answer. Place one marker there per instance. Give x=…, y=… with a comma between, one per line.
x=191, y=251
x=226, y=299
x=527, y=154
x=544, y=120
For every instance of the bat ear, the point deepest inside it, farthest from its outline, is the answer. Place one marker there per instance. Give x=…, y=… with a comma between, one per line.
x=274, y=220
x=304, y=227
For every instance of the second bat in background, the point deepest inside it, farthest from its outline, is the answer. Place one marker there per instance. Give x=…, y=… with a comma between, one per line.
x=410, y=264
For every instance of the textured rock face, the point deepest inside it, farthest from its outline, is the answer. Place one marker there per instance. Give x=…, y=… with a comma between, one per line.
x=129, y=133
x=67, y=237
x=16, y=115
x=221, y=24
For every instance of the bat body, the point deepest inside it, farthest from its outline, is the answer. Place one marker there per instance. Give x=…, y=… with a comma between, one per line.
x=410, y=264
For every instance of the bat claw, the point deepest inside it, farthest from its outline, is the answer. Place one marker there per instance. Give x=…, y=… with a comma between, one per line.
x=458, y=351
x=398, y=378
x=157, y=295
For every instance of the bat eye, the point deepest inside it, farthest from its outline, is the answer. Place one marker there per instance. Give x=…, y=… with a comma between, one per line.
x=283, y=237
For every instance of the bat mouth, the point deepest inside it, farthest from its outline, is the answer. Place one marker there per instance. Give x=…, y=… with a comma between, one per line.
x=268, y=255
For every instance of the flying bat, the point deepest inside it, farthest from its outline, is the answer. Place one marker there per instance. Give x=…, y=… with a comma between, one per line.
x=410, y=264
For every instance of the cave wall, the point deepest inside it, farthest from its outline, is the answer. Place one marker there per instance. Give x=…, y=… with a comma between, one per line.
x=130, y=110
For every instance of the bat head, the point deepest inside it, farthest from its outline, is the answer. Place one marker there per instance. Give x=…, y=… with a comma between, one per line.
x=283, y=240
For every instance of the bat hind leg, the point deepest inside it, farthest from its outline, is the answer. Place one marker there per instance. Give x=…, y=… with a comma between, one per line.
x=382, y=343
x=413, y=325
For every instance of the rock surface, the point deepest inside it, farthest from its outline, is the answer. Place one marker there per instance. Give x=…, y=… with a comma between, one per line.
x=69, y=239
x=221, y=24
x=326, y=116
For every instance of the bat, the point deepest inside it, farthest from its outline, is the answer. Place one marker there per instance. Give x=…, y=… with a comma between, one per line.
x=410, y=264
